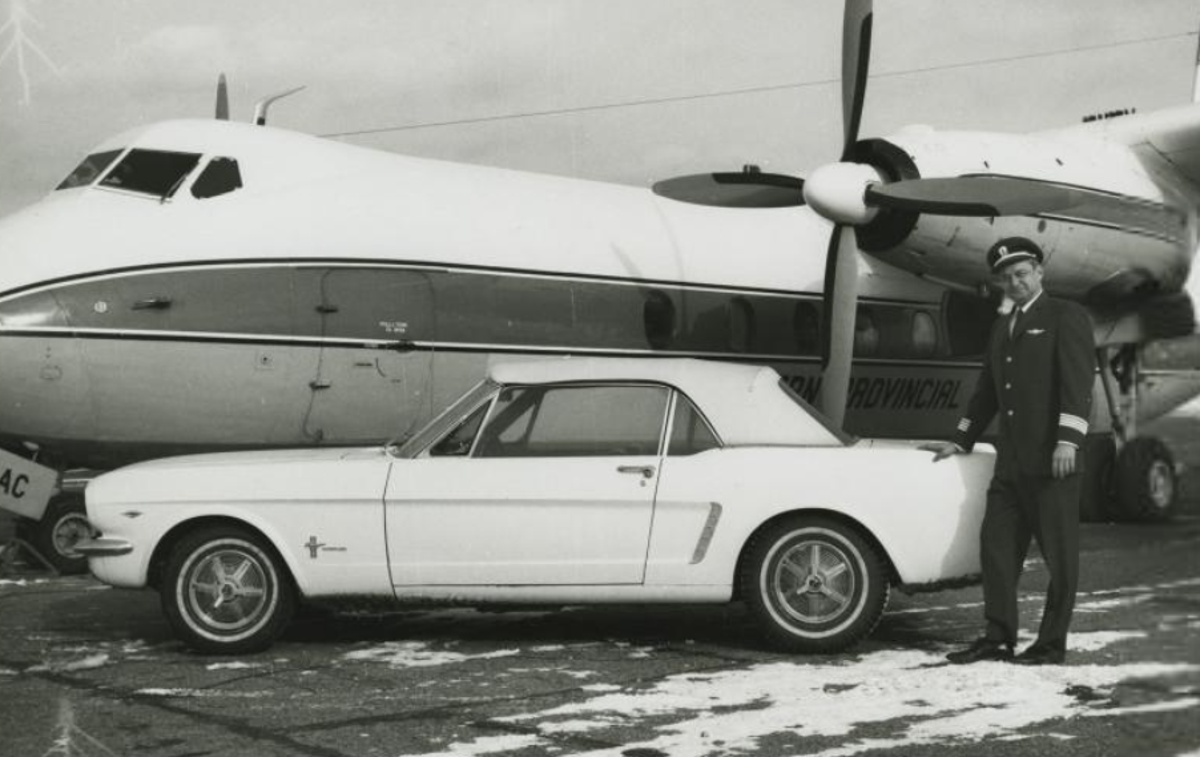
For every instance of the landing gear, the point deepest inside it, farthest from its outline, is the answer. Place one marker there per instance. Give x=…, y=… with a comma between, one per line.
x=1130, y=478
x=62, y=526
x=1145, y=485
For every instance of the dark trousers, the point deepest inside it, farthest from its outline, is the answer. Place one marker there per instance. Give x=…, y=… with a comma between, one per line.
x=1020, y=507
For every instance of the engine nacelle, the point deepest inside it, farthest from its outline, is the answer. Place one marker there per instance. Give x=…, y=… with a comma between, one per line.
x=1131, y=237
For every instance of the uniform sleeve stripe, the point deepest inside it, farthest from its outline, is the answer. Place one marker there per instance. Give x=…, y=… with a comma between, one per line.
x=1073, y=422
x=964, y=424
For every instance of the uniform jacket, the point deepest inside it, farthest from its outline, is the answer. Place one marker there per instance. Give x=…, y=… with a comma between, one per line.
x=1039, y=381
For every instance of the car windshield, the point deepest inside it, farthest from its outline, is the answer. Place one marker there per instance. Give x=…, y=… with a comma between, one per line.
x=434, y=430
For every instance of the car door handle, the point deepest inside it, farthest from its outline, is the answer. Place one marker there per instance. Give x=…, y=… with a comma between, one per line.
x=647, y=471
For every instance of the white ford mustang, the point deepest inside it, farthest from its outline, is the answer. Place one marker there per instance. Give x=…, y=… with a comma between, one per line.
x=555, y=481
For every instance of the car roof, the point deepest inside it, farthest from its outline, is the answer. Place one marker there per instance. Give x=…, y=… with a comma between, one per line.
x=746, y=404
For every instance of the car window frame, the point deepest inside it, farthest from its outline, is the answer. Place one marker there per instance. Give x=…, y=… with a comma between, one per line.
x=663, y=426
x=676, y=396
x=450, y=419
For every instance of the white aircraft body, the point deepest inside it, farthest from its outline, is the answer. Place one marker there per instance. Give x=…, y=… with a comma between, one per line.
x=201, y=285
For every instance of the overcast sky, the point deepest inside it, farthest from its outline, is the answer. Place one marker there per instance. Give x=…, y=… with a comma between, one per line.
x=617, y=90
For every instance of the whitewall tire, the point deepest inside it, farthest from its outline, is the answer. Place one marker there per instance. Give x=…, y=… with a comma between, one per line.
x=814, y=584
x=226, y=591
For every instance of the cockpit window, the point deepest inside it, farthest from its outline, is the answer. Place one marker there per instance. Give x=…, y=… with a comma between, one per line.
x=91, y=167
x=220, y=176
x=152, y=172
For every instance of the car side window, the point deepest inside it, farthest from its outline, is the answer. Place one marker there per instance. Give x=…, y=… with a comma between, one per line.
x=690, y=433
x=575, y=421
x=458, y=442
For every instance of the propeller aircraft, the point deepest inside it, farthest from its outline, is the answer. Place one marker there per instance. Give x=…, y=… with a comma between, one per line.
x=199, y=285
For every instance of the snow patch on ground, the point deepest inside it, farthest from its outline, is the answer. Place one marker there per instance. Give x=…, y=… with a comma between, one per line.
x=201, y=693
x=1096, y=640
x=488, y=745
x=232, y=666
x=417, y=654
x=912, y=695
x=89, y=662
x=1104, y=605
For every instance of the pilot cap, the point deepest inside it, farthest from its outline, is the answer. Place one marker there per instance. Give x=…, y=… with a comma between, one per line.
x=1012, y=250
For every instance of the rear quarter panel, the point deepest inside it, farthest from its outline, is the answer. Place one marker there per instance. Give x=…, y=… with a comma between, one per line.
x=925, y=515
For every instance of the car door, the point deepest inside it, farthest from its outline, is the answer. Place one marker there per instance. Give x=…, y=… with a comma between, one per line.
x=556, y=488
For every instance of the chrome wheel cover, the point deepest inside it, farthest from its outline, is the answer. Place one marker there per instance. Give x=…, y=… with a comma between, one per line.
x=814, y=583
x=227, y=590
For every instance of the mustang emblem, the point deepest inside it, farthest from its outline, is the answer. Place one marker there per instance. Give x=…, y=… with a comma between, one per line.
x=313, y=545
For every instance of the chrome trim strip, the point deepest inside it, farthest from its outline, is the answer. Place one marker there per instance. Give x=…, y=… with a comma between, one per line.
x=706, y=534
x=70, y=332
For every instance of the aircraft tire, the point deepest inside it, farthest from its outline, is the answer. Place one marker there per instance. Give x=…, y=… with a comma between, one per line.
x=1147, y=488
x=62, y=525
x=226, y=591
x=814, y=584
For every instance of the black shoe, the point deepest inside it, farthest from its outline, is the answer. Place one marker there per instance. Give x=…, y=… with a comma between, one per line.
x=1036, y=655
x=981, y=650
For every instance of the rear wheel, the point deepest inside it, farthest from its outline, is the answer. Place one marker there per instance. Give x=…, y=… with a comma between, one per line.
x=226, y=591
x=814, y=584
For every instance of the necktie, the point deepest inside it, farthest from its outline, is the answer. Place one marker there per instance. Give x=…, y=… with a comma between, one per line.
x=1015, y=322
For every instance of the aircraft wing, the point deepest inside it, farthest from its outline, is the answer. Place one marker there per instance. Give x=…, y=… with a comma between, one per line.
x=1173, y=134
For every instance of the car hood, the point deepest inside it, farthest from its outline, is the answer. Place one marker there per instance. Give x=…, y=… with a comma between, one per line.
x=261, y=475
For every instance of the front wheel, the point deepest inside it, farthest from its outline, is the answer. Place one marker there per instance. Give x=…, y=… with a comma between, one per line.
x=814, y=584
x=226, y=591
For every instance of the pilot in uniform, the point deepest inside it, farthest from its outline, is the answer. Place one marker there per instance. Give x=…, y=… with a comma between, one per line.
x=1037, y=377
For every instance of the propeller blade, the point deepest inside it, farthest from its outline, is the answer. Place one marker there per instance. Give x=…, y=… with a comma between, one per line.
x=222, y=99
x=856, y=64
x=982, y=196
x=837, y=322
x=745, y=189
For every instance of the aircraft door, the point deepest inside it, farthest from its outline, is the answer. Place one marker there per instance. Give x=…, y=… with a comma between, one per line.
x=371, y=381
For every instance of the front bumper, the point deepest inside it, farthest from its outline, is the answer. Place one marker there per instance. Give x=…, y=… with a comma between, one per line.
x=103, y=547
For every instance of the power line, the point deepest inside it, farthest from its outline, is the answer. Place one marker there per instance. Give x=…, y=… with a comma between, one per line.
x=750, y=90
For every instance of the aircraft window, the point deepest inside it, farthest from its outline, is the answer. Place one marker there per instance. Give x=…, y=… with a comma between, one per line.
x=152, y=172
x=91, y=167
x=219, y=177
x=806, y=322
x=968, y=323
x=924, y=334
x=690, y=433
x=741, y=324
x=658, y=317
x=866, y=333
